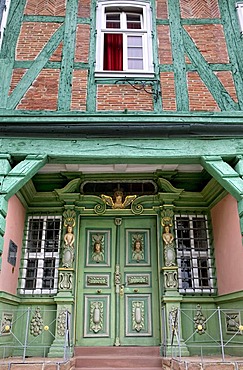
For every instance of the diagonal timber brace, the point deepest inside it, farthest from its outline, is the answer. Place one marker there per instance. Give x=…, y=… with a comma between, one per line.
x=11, y=180
x=229, y=178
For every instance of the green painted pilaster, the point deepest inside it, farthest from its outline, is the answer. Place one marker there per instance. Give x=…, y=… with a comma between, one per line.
x=60, y=347
x=178, y=53
x=171, y=299
x=65, y=84
x=5, y=167
x=7, y=54
x=227, y=177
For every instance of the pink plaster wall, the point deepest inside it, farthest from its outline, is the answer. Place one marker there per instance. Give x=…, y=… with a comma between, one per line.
x=14, y=231
x=228, y=246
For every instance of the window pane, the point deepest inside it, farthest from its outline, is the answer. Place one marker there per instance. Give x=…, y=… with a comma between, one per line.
x=203, y=272
x=31, y=273
x=48, y=273
x=52, y=235
x=186, y=273
x=183, y=233
x=135, y=52
x=133, y=21
x=113, y=20
x=134, y=41
x=135, y=64
x=113, y=52
x=35, y=235
x=200, y=234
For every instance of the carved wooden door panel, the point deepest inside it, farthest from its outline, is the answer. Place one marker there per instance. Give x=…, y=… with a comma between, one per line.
x=117, y=290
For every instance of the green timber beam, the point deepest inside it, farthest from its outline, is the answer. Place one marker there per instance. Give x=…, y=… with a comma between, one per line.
x=227, y=177
x=7, y=54
x=65, y=84
x=219, y=93
x=234, y=44
x=182, y=99
x=36, y=67
x=118, y=150
x=21, y=174
x=11, y=180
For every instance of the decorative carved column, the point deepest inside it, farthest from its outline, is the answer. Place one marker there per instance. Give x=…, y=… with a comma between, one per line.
x=65, y=297
x=171, y=298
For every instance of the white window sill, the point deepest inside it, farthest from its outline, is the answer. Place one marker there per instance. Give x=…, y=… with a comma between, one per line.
x=122, y=74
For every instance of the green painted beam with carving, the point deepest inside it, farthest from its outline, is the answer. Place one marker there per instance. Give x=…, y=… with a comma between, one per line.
x=21, y=173
x=224, y=174
x=182, y=99
x=65, y=83
x=219, y=93
x=7, y=54
x=118, y=150
x=35, y=69
x=228, y=178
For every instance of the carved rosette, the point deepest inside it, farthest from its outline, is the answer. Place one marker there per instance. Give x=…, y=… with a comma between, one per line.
x=61, y=323
x=199, y=321
x=36, y=324
x=65, y=280
x=96, y=316
x=138, y=316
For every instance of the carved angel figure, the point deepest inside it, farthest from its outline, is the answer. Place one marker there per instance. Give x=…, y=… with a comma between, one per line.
x=118, y=195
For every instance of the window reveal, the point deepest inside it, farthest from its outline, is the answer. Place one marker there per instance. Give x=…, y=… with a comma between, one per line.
x=41, y=256
x=194, y=254
x=124, y=40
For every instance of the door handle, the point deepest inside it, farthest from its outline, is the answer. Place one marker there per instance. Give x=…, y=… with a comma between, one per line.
x=121, y=290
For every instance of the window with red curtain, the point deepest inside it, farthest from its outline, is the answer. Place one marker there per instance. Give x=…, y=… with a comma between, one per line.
x=113, y=52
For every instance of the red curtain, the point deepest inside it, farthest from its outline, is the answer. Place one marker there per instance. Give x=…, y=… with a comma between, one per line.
x=113, y=52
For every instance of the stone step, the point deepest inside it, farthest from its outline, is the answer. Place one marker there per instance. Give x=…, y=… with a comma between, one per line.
x=117, y=362
x=119, y=358
x=117, y=351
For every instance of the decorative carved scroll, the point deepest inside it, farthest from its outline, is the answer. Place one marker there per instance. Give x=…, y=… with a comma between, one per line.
x=96, y=316
x=138, y=316
x=199, y=321
x=171, y=279
x=36, y=324
x=65, y=280
x=61, y=323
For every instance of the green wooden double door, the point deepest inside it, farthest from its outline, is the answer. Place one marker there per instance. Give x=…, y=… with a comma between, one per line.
x=117, y=300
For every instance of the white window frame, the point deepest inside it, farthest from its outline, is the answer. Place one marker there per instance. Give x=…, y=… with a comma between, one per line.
x=40, y=258
x=145, y=32
x=194, y=255
x=4, y=20
x=239, y=10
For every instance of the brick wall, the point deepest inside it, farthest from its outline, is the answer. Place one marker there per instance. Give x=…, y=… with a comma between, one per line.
x=121, y=97
x=209, y=39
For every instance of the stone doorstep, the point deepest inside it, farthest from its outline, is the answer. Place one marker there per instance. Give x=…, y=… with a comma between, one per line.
x=208, y=363
x=34, y=364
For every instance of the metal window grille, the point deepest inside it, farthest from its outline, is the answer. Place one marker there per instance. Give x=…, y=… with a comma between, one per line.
x=41, y=255
x=194, y=254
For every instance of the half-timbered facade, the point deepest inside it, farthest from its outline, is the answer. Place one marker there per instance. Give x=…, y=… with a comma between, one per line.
x=121, y=190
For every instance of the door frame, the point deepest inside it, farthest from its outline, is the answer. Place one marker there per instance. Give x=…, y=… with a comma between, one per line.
x=156, y=256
